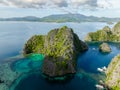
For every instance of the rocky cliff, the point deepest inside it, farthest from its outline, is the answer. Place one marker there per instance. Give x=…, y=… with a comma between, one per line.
x=105, y=34
x=113, y=73
x=61, y=47
x=105, y=48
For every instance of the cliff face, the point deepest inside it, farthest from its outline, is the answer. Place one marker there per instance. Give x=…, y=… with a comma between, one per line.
x=105, y=34
x=60, y=47
x=113, y=73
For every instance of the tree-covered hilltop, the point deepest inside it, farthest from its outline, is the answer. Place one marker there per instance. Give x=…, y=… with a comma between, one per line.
x=113, y=74
x=61, y=47
x=105, y=34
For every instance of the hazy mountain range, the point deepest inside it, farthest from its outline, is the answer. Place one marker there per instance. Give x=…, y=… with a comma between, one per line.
x=63, y=18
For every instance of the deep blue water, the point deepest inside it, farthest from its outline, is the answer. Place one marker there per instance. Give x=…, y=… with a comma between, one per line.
x=36, y=82
x=93, y=58
x=13, y=36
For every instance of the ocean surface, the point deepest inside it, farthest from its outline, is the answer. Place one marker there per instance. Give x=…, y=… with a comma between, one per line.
x=13, y=36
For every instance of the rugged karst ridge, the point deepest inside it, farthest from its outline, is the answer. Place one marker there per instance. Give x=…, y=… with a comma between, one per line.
x=113, y=73
x=105, y=34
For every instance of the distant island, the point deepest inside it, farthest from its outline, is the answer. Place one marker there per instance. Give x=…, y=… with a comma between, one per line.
x=59, y=18
x=61, y=48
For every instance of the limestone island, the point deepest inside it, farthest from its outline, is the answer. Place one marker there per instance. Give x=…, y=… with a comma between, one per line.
x=105, y=34
x=105, y=48
x=61, y=48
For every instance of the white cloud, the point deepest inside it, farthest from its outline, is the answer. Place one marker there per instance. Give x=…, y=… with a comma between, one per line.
x=84, y=3
x=39, y=3
x=87, y=4
x=60, y=3
x=79, y=2
x=34, y=3
x=108, y=4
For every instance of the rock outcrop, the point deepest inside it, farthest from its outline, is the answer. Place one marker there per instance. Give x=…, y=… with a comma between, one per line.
x=105, y=34
x=105, y=48
x=60, y=47
x=113, y=73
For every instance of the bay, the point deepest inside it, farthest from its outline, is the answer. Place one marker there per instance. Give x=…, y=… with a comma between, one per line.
x=13, y=36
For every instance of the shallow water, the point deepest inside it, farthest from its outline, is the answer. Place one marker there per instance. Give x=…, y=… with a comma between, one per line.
x=30, y=63
x=27, y=70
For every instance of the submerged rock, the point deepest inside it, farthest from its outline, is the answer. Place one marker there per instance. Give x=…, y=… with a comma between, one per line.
x=113, y=74
x=4, y=87
x=105, y=34
x=60, y=47
x=105, y=48
x=1, y=81
x=7, y=76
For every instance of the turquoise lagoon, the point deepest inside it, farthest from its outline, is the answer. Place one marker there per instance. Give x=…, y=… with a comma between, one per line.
x=27, y=70
x=31, y=62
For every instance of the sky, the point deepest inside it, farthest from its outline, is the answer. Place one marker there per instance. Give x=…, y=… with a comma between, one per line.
x=41, y=8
